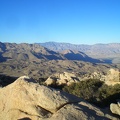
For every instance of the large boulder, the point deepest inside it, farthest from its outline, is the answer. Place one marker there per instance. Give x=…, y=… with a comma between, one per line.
x=115, y=108
x=112, y=77
x=64, y=78
x=26, y=100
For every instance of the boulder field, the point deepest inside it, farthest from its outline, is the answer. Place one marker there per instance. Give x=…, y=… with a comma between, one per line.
x=25, y=99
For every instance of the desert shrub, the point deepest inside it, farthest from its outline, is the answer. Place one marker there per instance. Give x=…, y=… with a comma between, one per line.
x=108, y=94
x=84, y=89
x=94, y=91
x=41, y=81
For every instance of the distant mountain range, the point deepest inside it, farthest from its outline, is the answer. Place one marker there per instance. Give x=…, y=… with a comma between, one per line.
x=40, y=62
x=77, y=55
x=107, y=52
x=36, y=52
x=30, y=52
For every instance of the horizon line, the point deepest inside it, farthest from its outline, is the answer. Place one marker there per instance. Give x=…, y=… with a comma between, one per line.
x=60, y=43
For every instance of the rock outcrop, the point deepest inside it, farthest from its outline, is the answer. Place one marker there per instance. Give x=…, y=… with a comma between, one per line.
x=112, y=77
x=26, y=100
x=115, y=108
x=64, y=78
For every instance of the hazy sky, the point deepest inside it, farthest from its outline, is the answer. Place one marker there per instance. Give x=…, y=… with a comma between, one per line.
x=71, y=21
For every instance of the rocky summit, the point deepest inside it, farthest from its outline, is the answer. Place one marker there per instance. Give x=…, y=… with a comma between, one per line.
x=25, y=99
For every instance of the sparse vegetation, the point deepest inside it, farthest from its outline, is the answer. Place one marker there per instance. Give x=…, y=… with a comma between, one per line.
x=39, y=63
x=95, y=91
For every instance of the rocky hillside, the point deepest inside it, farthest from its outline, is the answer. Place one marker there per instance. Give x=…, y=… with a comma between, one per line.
x=26, y=52
x=26, y=100
x=45, y=68
x=39, y=62
x=111, y=78
x=109, y=52
x=35, y=52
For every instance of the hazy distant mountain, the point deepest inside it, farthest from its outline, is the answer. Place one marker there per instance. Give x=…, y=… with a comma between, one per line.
x=77, y=55
x=109, y=52
x=65, y=46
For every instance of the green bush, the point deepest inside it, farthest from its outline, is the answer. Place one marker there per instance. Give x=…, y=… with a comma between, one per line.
x=108, y=94
x=95, y=91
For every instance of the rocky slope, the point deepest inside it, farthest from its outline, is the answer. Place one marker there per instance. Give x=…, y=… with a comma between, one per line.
x=111, y=77
x=26, y=100
x=45, y=68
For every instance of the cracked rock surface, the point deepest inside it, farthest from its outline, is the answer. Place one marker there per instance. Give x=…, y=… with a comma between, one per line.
x=26, y=100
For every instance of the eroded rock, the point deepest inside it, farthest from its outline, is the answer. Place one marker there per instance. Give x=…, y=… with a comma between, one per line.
x=112, y=77
x=64, y=78
x=25, y=99
x=115, y=108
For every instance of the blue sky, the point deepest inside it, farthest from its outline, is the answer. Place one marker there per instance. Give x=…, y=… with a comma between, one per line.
x=71, y=21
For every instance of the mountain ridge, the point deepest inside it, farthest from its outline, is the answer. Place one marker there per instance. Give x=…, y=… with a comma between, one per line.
x=39, y=62
x=24, y=51
x=108, y=52
x=35, y=52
